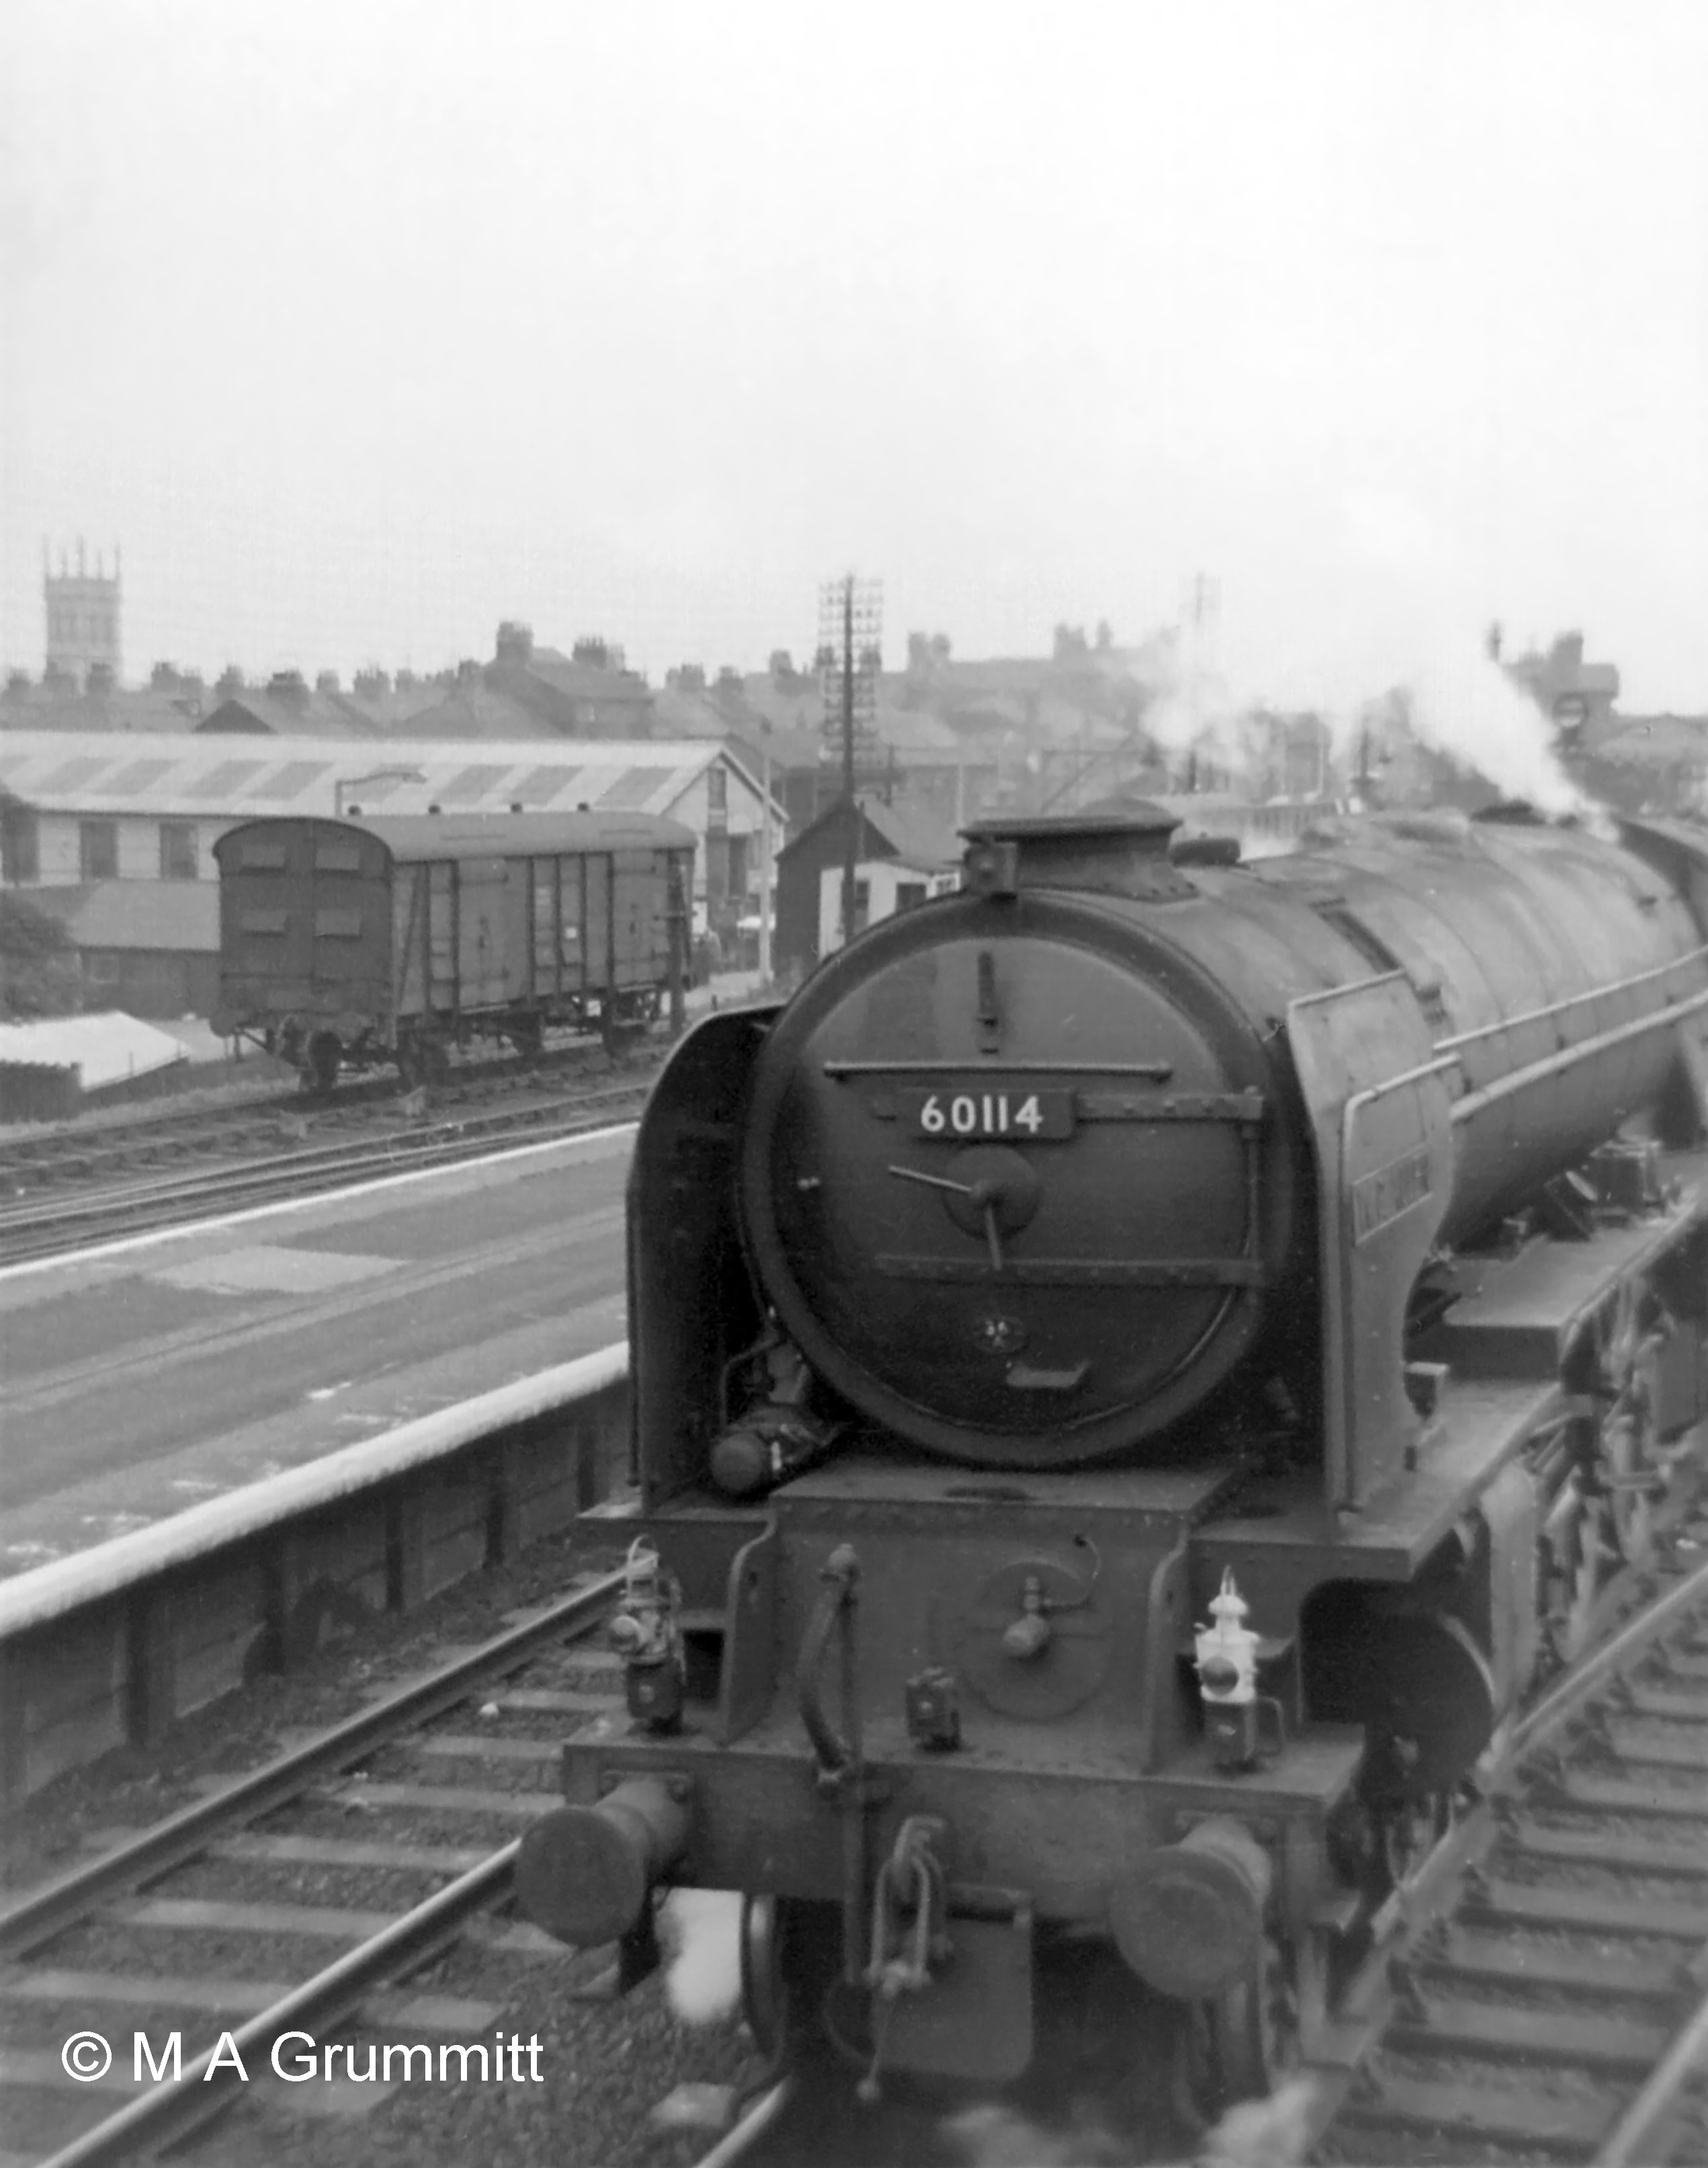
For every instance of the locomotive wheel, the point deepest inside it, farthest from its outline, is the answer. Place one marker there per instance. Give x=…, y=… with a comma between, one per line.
x=789, y=1959
x=1237, y=2045
x=1411, y=1829
x=764, y=1990
x=423, y=1062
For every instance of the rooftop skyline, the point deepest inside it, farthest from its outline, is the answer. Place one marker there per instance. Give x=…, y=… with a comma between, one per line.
x=362, y=330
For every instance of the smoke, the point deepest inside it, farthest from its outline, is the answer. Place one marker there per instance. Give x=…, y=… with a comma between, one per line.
x=1454, y=699
x=1395, y=658
x=701, y=1929
x=1465, y=706
x=1275, y=2133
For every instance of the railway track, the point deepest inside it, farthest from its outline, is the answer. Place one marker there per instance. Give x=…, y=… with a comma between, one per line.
x=1549, y=1998
x=98, y=1149
x=256, y=1913
x=39, y=1229
x=241, y=1120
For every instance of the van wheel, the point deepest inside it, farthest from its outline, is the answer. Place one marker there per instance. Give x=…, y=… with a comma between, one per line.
x=324, y=1055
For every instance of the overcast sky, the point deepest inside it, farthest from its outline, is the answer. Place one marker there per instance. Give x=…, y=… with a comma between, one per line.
x=364, y=325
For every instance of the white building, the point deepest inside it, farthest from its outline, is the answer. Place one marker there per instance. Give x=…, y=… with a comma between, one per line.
x=882, y=887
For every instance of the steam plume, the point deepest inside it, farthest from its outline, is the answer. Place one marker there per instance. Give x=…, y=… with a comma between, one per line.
x=701, y=1931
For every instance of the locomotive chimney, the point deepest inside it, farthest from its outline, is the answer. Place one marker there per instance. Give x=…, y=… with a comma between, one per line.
x=1120, y=850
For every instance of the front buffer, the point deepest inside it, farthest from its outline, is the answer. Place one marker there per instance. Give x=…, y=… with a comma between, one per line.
x=941, y=1731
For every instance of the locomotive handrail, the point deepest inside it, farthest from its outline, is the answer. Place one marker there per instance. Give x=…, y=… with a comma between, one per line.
x=1520, y=1079
x=1473, y=1103
x=1439, y=1067
x=835, y=1755
x=1447, y=1054
x=1572, y=1001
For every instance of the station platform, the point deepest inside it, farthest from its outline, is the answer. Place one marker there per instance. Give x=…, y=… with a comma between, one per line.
x=153, y=1374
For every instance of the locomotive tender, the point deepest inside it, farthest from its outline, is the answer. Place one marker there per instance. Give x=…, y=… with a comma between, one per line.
x=393, y=939
x=1137, y=1368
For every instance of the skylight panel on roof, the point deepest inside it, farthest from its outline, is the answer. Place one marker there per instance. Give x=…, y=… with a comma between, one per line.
x=634, y=787
x=231, y=775
x=70, y=775
x=469, y=783
x=293, y=778
x=379, y=788
x=130, y=782
x=540, y=785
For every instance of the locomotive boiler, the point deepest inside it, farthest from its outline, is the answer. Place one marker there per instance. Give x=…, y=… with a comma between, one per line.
x=1137, y=1369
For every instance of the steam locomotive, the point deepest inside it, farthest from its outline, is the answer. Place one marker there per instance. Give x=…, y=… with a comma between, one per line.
x=1139, y=1367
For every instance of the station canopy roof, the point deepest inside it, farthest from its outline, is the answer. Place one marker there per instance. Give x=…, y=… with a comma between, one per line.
x=217, y=776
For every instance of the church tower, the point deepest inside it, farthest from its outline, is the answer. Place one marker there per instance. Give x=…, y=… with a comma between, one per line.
x=83, y=617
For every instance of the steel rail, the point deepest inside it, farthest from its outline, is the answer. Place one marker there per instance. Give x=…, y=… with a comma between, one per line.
x=738, y=2141
x=174, y=2107
x=1559, y=1701
x=1628, y=2144
x=48, y=1911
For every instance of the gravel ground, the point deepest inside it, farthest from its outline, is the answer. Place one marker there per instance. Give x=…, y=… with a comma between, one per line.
x=602, y=2067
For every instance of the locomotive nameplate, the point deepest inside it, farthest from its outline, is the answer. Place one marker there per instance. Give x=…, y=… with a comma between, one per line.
x=1379, y=1197
x=988, y=1111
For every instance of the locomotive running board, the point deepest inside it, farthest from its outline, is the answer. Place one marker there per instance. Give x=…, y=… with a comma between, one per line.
x=1382, y=1129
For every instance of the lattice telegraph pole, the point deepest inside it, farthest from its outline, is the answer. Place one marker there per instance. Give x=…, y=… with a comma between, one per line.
x=851, y=620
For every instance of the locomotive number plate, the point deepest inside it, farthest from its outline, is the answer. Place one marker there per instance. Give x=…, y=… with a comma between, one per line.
x=988, y=1113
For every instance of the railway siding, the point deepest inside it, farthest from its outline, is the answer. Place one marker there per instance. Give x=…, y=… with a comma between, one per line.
x=113, y=1645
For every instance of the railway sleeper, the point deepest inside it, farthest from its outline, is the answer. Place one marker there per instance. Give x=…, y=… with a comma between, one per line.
x=1606, y=1912
x=1552, y=1965
x=1618, y=1795
x=1661, y=1701
x=1460, y=2025
x=1501, y=2116
x=1600, y=1848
